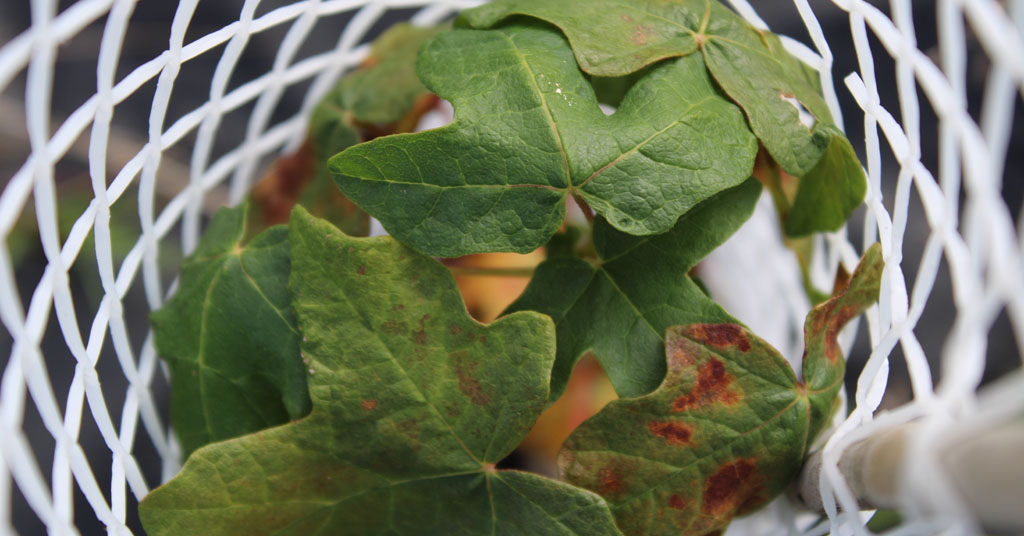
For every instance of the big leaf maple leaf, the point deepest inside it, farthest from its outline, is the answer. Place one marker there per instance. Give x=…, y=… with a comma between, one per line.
x=413, y=404
x=620, y=305
x=613, y=38
x=528, y=132
x=726, y=431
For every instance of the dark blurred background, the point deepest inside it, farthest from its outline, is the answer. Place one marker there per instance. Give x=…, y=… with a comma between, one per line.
x=148, y=34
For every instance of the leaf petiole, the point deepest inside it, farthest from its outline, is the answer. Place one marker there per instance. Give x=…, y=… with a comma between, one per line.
x=771, y=177
x=490, y=272
x=584, y=207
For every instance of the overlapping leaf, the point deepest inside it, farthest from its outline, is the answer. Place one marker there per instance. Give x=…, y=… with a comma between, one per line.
x=726, y=431
x=383, y=96
x=413, y=403
x=229, y=336
x=612, y=38
x=621, y=307
x=385, y=89
x=528, y=132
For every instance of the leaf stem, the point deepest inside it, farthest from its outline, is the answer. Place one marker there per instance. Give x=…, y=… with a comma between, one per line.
x=587, y=211
x=768, y=171
x=773, y=181
x=491, y=272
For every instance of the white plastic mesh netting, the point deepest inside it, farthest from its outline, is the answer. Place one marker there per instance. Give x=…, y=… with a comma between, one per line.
x=83, y=430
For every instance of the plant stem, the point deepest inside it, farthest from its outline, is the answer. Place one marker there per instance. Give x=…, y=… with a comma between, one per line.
x=587, y=211
x=491, y=272
x=774, y=183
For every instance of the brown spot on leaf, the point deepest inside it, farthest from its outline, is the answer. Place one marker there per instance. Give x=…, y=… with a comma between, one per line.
x=720, y=335
x=827, y=323
x=608, y=481
x=361, y=270
x=846, y=313
x=677, y=502
x=369, y=405
x=456, y=329
x=639, y=35
x=451, y=409
x=673, y=432
x=627, y=18
x=842, y=281
x=483, y=339
x=420, y=336
x=468, y=384
x=680, y=353
x=732, y=486
x=712, y=386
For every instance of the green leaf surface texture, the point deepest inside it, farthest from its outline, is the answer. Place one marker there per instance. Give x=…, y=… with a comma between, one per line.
x=528, y=132
x=613, y=38
x=229, y=336
x=413, y=403
x=620, y=307
x=728, y=428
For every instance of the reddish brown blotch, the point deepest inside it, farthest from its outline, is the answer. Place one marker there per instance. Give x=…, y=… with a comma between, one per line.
x=719, y=335
x=470, y=386
x=731, y=487
x=608, y=481
x=673, y=432
x=421, y=336
x=712, y=386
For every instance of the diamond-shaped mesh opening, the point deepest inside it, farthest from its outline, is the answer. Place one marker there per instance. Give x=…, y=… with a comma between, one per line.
x=22, y=516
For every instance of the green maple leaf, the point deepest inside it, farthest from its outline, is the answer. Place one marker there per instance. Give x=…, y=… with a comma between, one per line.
x=726, y=431
x=413, y=403
x=229, y=336
x=380, y=94
x=612, y=38
x=386, y=87
x=620, y=307
x=528, y=132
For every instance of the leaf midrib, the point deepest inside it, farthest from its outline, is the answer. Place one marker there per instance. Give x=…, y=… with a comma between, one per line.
x=636, y=148
x=224, y=258
x=547, y=110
